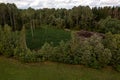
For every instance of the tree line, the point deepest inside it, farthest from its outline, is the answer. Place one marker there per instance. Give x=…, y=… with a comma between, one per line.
x=81, y=17
x=94, y=51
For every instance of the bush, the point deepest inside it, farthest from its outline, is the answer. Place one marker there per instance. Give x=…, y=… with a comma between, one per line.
x=109, y=25
x=61, y=52
x=46, y=51
x=28, y=56
x=86, y=53
x=105, y=57
x=7, y=41
x=94, y=53
x=112, y=42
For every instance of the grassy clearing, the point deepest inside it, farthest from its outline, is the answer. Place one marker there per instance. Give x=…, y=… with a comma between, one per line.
x=14, y=70
x=46, y=35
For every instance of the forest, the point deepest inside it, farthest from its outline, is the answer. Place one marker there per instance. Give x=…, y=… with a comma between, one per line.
x=94, y=35
x=98, y=19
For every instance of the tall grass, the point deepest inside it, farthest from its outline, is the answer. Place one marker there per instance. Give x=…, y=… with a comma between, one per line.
x=43, y=35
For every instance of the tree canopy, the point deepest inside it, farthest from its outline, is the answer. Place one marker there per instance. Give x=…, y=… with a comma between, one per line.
x=81, y=17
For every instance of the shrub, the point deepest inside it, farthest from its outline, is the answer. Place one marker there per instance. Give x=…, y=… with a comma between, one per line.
x=61, y=52
x=7, y=41
x=76, y=45
x=28, y=56
x=86, y=53
x=46, y=51
x=100, y=56
x=21, y=46
x=105, y=57
x=112, y=42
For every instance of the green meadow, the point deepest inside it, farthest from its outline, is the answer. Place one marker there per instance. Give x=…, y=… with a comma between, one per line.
x=11, y=69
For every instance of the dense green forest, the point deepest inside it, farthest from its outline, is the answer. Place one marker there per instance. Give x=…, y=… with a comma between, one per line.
x=98, y=50
x=100, y=19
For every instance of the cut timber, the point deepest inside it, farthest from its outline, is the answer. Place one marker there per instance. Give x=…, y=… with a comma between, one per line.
x=87, y=34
